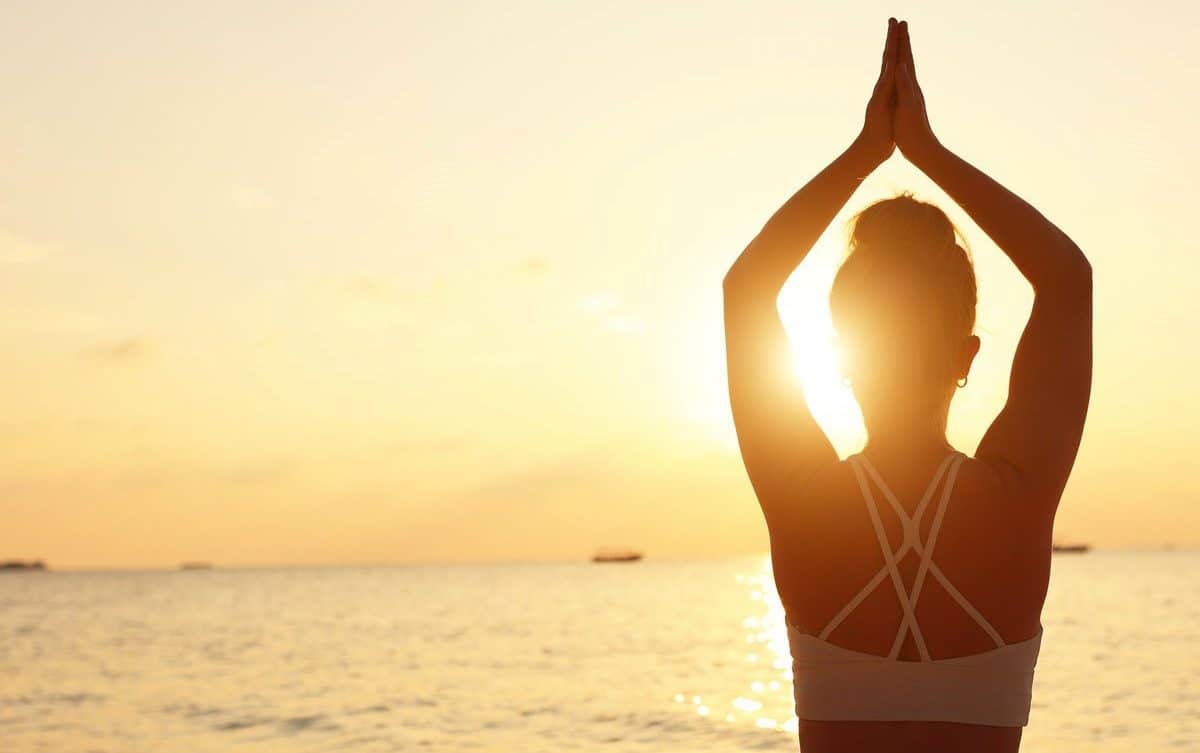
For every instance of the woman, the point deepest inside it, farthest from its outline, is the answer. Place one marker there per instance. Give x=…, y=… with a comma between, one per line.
x=912, y=575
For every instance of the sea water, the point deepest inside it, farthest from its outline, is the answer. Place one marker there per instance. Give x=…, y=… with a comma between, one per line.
x=656, y=655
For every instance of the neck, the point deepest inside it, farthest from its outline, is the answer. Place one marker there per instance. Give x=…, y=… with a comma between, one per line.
x=923, y=435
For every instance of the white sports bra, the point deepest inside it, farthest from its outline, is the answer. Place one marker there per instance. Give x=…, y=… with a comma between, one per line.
x=833, y=683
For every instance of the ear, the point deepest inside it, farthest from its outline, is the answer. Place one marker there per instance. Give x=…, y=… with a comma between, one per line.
x=970, y=348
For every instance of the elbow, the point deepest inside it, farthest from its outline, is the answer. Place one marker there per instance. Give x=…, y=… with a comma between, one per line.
x=1071, y=275
x=734, y=282
x=753, y=277
x=1080, y=267
x=730, y=283
x=1081, y=272
x=742, y=272
x=741, y=287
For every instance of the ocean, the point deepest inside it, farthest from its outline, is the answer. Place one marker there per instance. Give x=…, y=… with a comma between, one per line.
x=658, y=655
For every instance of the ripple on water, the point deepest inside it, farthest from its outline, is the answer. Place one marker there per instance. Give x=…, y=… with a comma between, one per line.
x=532, y=659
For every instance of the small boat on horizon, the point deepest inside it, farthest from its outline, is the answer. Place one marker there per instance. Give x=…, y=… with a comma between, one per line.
x=195, y=566
x=616, y=555
x=1070, y=548
x=22, y=565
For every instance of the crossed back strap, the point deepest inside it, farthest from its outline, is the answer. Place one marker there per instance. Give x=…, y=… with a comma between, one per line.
x=911, y=527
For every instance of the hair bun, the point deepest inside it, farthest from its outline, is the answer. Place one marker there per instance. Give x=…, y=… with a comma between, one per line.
x=902, y=225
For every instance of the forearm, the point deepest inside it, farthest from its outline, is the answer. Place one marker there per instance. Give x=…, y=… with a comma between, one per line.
x=790, y=233
x=1041, y=252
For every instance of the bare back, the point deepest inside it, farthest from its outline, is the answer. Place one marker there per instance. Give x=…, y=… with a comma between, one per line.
x=994, y=549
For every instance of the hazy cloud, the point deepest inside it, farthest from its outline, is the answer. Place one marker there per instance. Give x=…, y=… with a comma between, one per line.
x=605, y=306
x=372, y=289
x=258, y=472
x=599, y=302
x=251, y=197
x=625, y=324
x=131, y=349
x=533, y=486
x=425, y=445
x=166, y=474
x=50, y=319
x=17, y=250
x=535, y=266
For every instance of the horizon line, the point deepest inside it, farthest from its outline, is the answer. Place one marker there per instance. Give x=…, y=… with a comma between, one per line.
x=214, y=565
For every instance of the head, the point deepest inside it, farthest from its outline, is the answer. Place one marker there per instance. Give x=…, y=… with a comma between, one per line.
x=903, y=307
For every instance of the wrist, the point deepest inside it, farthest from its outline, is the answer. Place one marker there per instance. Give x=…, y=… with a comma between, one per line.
x=864, y=156
x=926, y=152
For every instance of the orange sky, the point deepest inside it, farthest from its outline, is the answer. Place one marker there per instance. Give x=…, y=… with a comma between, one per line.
x=374, y=284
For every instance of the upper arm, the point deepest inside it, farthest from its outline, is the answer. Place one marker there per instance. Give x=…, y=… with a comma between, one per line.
x=1038, y=432
x=781, y=443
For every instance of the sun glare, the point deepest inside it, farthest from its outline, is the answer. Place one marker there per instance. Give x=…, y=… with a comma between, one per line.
x=804, y=310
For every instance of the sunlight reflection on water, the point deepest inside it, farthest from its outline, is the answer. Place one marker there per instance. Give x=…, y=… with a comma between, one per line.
x=657, y=656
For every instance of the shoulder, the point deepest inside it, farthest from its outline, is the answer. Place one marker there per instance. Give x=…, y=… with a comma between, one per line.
x=812, y=505
x=995, y=477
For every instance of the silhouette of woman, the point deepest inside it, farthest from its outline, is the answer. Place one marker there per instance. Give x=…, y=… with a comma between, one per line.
x=915, y=624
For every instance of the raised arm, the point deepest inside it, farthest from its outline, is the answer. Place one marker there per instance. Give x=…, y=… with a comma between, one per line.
x=779, y=439
x=1037, y=434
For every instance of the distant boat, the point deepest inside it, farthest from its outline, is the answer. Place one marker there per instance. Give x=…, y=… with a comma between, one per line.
x=22, y=565
x=195, y=566
x=616, y=555
x=1070, y=548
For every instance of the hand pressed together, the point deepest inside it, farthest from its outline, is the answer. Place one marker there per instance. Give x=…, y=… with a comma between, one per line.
x=896, y=114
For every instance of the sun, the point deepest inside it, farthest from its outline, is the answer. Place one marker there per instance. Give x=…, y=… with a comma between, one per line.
x=804, y=310
x=701, y=388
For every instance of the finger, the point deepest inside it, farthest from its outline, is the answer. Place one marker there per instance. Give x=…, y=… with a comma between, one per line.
x=891, y=52
x=906, y=88
x=886, y=85
x=889, y=47
x=906, y=49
